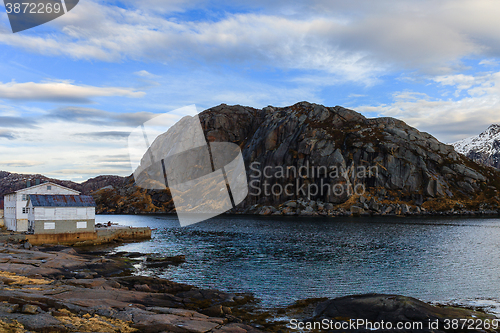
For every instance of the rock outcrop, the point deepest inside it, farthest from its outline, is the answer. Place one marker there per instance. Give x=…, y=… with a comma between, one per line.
x=333, y=160
x=59, y=290
x=384, y=313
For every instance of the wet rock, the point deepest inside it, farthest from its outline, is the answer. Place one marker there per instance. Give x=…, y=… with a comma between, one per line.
x=156, y=285
x=214, y=311
x=374, y=205
x=356, y=210
x=266, y=211
x=155, y=261
x=390, y=308
x=388, y=210
x=308, y=209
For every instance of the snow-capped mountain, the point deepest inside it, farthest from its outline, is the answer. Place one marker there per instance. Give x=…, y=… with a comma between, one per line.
x=483, y=148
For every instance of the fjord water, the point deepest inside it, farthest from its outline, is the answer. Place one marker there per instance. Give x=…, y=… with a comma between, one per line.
x=282, y=259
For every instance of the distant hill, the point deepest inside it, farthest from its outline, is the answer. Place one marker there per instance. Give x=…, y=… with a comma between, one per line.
x=415, y=173
x=10, y=182
x=483, y=148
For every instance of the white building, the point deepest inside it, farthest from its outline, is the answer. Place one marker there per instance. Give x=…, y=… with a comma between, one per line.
x=60, y=214
x=1, y=213
x=15, y=204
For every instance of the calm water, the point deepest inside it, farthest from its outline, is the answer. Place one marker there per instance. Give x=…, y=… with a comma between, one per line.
x=284, y=259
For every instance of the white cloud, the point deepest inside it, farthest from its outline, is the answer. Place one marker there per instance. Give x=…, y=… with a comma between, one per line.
x=90, y=171
x=68, y=140
x=488, y=62
x=460, y=81
x=61, y=91
x=98, y=117
x=7, y=134
x=54, y=149
x=315, y=43
x=354, y=41
x=448, y=120
x=146, y=74
x=20, y=163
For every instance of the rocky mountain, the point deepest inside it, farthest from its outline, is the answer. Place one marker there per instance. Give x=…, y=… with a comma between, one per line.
x=332, y=161
x=10, y=182
x=484, y=148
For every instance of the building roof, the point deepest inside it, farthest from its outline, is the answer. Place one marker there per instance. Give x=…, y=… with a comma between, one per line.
x=50, y=200
x=44, y=184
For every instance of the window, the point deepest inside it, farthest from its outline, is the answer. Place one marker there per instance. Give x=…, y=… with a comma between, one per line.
x=26, y=210
x=49, y=225
x=24, y=197
x=81, y=225
x=49, y=187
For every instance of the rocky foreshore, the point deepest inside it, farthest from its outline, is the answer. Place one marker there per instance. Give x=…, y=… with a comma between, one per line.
x=57, y=289
x=362, y=206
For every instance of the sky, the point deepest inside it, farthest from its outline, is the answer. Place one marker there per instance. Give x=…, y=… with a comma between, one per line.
x=73, y=89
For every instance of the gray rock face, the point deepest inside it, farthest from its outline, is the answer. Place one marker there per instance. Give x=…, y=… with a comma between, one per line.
x=330, y=154
x=369, y=154
x=392, y=309
x=41, y=304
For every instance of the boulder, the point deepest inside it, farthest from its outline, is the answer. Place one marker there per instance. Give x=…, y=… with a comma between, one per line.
x=30, y=309
x=266, y=211
x=391, y=308
x=214, y=311
x=356, y=210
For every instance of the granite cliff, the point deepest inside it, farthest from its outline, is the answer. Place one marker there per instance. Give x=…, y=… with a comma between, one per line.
x=334, y=161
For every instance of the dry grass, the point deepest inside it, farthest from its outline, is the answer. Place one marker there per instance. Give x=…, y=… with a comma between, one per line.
x=95, y=323
x=13, y=327
x=14, y=279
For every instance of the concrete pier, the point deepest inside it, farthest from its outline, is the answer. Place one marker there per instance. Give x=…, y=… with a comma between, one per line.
x=100, y=236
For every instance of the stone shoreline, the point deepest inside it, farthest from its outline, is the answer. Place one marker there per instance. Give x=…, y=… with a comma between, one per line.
x=57, y=289
x=360, y=206
x=60, y=289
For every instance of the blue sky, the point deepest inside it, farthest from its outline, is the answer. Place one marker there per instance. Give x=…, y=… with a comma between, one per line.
x=71, y=90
